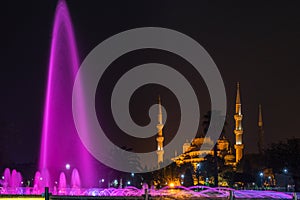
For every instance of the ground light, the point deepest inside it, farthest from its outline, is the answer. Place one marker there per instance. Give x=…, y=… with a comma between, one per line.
x=172, y=184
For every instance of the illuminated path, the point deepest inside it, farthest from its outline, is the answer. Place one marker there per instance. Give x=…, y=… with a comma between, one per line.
x=178, y=192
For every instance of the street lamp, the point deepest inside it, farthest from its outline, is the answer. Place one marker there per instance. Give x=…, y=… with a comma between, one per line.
x=285, y=171
x=115, y=182
x=68, y=166
x=261, y=174
x=198, y=173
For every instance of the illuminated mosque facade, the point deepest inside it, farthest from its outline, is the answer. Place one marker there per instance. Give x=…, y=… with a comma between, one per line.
x=195, y=151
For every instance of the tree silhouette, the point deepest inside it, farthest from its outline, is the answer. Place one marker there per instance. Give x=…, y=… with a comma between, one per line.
x=188, y=178
x=285, y=155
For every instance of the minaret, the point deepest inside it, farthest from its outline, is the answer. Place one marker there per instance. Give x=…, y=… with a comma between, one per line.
x=159, y=138
x=260, y=131
x=238, y=131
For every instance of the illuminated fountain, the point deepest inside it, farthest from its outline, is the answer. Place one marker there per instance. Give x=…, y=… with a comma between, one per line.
x=177, y=192
x=11, y=181
x=60, y=143
x=62, y=184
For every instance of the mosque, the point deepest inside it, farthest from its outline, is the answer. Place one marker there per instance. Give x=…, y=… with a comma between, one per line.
x=193, y=153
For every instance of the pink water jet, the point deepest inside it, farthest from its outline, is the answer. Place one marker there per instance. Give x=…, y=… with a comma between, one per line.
x=6, y=175
x=11, y=181
x=62, y=184
x=75, y=179
x=37, y=186
x=60, y=142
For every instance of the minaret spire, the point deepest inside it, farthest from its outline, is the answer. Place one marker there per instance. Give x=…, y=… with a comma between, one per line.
x=238, y=131
x=159, y=138
x=260, y=131
x=238, y=96
x=159, y=111
x=260, y=120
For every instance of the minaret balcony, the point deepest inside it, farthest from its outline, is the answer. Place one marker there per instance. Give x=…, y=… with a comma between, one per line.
x=238, y=132
x=159, y=126
x=239, y=146
x=160, y=139
x=238, y=117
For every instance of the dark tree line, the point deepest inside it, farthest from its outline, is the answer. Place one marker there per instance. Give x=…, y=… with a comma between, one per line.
x=285, y=155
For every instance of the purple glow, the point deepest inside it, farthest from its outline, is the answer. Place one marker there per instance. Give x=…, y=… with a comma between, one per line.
x=11, y=181
x=60, y=142
x=176, y=192
x=75, y=179
x=62, y=185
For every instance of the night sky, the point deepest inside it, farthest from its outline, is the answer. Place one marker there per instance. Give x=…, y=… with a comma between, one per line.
x=257, y=44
